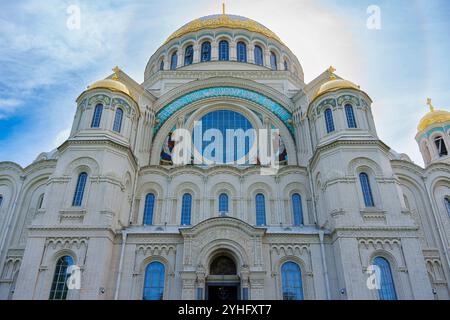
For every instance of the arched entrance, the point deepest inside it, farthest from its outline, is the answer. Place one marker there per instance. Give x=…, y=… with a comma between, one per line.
x=222, y=283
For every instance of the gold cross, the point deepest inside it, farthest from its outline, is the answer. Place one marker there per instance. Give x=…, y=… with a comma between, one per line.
x=430, y=104
x=223, y=8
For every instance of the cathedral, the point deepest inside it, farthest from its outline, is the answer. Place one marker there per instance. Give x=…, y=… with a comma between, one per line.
x=112, y=213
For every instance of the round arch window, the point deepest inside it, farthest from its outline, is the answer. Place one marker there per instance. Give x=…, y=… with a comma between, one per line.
x=223, y=137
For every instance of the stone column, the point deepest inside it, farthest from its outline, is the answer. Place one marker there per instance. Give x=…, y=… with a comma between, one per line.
x=257, y=285
x=188, y=279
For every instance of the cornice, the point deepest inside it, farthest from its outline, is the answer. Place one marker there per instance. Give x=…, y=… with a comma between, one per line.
x=345, y=143
x=215, y=170
x=210, y=74
x=73, y=142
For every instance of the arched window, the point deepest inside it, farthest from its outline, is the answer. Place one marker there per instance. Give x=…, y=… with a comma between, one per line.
x=241, y=52
x=387, y=287
x=223, y=202
x=97, y=116
x=206, y=51
x=224, y=51
x=260, y=203
x=59, y=287
x=118, y=120
x=79, y=191
x=297, y=209
x=1, y=200
x=351, y=121
x=366, y=189
x=161, y=65
x=259, y=59
x=273, y=61
x=447, y=204
x=230, y=149
x=329, y=120
x=186, y=207
x=440, y=145
x=40, y=201
x=174, y=61
x=286, y=65
x=188, y=55
x=148, y=209
x=291, y=277
x=154, y=281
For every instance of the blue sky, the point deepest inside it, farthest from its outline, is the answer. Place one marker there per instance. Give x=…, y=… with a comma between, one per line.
x=44, y=65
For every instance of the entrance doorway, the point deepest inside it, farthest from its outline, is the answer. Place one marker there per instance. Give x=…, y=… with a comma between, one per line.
x=223, y=283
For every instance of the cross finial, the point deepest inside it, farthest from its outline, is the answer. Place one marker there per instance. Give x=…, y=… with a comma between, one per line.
x=116, y=71
x=223, y=7
x=331, y=71
x=430, y=104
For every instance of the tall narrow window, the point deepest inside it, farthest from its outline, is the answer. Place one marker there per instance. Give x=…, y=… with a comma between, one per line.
x=297, y=209
x=291, y=278
x=273, y=61
x=154, y=281
x=97, y=116
x=286, y=65
x=186, y=207
x=161, y=65
x=118, y=120
x=351, y=121
x=259, y=60
x=40, y=201
x=148, y=209
x=223, y=203
x=366, y=189
x=329, y=120
x=260, y=203
x=174, y=61
x=447, y=204
x=224, y=51
x=188, y=55
x=241, y=52
x=1, y=200
x=441, y=148
x=59, y=287
x=206, y=51
x=387, y=287
x=79, y=191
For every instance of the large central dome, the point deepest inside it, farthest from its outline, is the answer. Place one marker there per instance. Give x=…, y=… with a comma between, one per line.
x=223, y=21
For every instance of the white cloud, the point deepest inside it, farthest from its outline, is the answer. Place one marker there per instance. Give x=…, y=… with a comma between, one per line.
x=8, y=106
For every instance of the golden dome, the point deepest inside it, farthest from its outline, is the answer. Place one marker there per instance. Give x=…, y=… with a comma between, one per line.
x=110, y=84
x=432, y=117
x=223, y=21
x=334, y=85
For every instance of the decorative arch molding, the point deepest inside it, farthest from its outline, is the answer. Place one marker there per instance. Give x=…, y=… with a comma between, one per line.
x=228, y=222
x=226, y=91
x=185, y=117
x=84, y=163
x=363, y=162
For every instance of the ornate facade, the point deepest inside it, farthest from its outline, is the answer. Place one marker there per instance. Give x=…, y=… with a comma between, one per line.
x=111, y=201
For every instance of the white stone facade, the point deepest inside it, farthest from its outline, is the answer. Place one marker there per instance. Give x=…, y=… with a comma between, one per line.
x=409, y=224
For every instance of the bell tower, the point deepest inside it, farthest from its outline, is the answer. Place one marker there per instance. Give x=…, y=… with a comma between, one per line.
x=433, y=135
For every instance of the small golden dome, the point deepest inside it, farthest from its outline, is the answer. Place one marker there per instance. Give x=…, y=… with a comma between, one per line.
x=333, y=85
x=223, y=21
x=432, y=117
x=110, y=84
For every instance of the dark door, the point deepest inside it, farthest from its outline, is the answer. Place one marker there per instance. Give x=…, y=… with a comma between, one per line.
x=223, y=293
